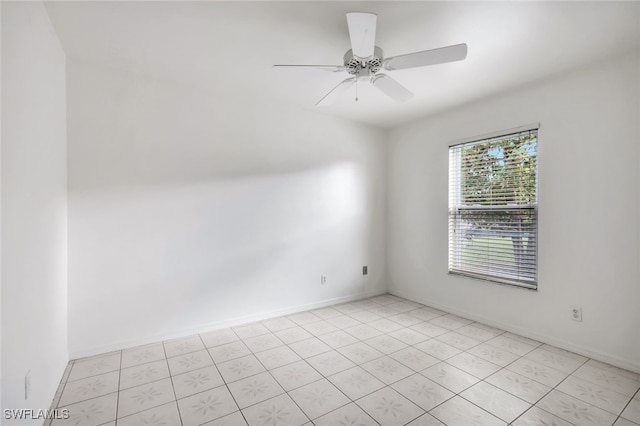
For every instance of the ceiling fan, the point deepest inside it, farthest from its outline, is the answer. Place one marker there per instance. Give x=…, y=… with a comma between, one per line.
x=364, y=60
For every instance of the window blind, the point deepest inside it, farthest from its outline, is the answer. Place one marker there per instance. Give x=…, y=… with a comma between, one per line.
x=493, y=208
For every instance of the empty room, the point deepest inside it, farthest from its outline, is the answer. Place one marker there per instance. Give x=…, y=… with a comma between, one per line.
x=322, y=213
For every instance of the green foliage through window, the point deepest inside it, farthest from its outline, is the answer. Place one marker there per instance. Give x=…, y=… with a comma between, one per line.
x=493, y=208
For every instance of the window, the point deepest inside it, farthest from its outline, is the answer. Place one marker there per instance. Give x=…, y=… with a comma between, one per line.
x=493, y=208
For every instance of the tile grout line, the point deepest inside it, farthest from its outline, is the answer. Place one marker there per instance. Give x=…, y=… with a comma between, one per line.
x=226, y=385
x=384, y=312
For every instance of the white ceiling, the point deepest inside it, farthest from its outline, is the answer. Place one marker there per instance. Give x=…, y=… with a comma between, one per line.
x=229, y=47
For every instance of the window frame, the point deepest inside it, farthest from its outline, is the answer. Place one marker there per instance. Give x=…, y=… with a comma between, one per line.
x=494, y=278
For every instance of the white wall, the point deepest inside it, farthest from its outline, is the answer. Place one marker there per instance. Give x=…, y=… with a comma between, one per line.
x=188, y=209
x=589, y=211
x=34, y=210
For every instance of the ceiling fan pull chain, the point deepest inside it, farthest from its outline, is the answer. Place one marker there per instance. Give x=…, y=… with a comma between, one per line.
x=356, y=90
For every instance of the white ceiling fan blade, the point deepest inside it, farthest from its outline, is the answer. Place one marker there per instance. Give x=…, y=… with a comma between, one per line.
x=427, y=57
x=391, y=88
x=332, y=68
x=362, y=31
x=333, y=94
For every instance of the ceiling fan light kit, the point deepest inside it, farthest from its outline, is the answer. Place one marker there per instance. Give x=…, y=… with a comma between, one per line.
x=365, y=60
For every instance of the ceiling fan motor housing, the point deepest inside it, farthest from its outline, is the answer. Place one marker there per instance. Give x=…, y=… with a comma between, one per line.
x=363, y=67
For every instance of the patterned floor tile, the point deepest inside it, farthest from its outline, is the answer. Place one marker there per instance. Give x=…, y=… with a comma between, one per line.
x=166, y=414
x=326, y=313
x=450, y=322
x=422, y=391
x=143, y=373
x=538, y=372
x=318, y=398
x=233, y=419
x=277, y=357
x=405, y=320
x=473, y=365
x=458, y=340
x=554, y=360
x=356, y=382
x=429, y=329
x=609, y=379
x=219, y=337
x=93, y=366
x=385, y=344
x=240, y=368
x=349, y=415
x=142, y=355
x=460, y=412
x=338, y=339
x=190, y=361
x=278, y=324
x=493, y=354
x=255, y=389
x=91, y=387
x=479, y=332
x=319, y=328
x=365, y=316
x=206, y=406
x=196, y=381
x=229, y=351
x=575, y=411
x=329, y=363
x=538, y=417
x=450, y=377
x=385, y=325
x=387, y=369
x=310, y=347
x=511, y=345
x=295, y=375
x=281, y=411
x=395, y=358
x=292, y=335
x=520, y=386
x=389, y=408
x=408, y=336
x=426, y=420
x=360, y=352
x=363, y=331
x=92, y=412
x=347, y=308
x=593, y=394
x=624, y=422
x=414, y=359
x=632, y=412
x=438, y=349
x=251, y=330
x=145, y=396
x=263, y=342
x=496, y=401
x=343, y=321
x=304, y=318
x=183, y=346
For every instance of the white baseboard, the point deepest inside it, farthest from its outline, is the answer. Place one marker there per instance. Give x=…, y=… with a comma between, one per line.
x=176, y=334
x=627, y=364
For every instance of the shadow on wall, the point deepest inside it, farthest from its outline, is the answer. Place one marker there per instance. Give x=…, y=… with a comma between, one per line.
x=194, y=254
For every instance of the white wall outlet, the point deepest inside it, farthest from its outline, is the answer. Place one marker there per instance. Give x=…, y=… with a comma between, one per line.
x=323, y=279
x=27, y=385
x=576, y=313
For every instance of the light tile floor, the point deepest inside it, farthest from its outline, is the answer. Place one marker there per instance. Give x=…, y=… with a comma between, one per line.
x=379, y=361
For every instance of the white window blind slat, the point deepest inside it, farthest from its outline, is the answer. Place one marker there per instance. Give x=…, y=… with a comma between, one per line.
x=493, y=208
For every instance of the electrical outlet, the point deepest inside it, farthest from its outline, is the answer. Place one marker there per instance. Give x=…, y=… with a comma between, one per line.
x=27, y=385
x=576, y=313
x=365, y=270
x=323, y=279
